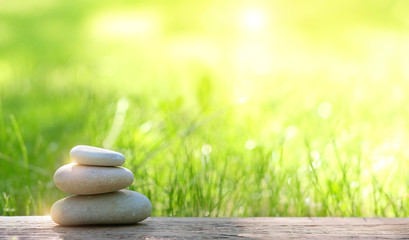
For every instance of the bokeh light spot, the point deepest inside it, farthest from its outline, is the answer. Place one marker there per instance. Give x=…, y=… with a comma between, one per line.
x=253, y=19
x=324, y=110
x=250, y=144
x=290, y=132
x=206, y=149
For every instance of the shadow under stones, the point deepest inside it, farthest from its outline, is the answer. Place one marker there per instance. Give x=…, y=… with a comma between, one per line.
x=159, y=227
x=130, y=231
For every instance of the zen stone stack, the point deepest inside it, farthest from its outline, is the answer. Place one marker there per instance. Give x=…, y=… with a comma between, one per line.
x=97, y=181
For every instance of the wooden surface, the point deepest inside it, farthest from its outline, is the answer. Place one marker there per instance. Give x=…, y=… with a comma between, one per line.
x=42, y=227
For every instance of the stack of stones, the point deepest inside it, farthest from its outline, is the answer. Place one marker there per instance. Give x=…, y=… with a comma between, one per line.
x=98, y=181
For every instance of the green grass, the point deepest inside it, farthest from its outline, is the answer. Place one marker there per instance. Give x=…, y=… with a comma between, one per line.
x=206, y=128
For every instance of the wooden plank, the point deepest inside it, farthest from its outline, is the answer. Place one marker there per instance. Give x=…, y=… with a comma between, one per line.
x=43, y=227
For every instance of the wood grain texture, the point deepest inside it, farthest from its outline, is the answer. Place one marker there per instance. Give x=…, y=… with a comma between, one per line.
x=42, y=227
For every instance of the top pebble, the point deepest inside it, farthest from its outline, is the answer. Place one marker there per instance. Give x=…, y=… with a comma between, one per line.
x=94, y=156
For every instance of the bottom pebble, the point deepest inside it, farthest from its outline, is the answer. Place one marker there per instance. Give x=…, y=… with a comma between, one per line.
x=121, y=207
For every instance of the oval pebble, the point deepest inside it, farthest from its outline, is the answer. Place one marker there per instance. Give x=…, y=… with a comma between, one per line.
x=83, y=180
x=121, y=207
x=88, y=155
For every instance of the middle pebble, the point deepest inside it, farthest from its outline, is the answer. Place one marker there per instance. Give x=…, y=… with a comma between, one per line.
x=86, y=180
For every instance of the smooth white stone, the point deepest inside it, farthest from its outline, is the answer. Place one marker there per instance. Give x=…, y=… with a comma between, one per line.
x=121, y=207
x=88, y=155
x=83, y=179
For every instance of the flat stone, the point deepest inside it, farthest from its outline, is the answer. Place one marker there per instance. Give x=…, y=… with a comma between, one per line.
x=121, y=207
x=88, y=155
x=84, y=180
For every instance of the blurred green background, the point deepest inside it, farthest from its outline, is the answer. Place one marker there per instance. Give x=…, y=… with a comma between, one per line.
x=222, y=108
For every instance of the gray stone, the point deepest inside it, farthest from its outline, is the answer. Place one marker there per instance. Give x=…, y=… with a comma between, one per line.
x=84, y=180
x=121, y=207
x=88, y=155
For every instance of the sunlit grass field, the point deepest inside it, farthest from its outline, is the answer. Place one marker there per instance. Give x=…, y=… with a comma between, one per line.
x=222, y=108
